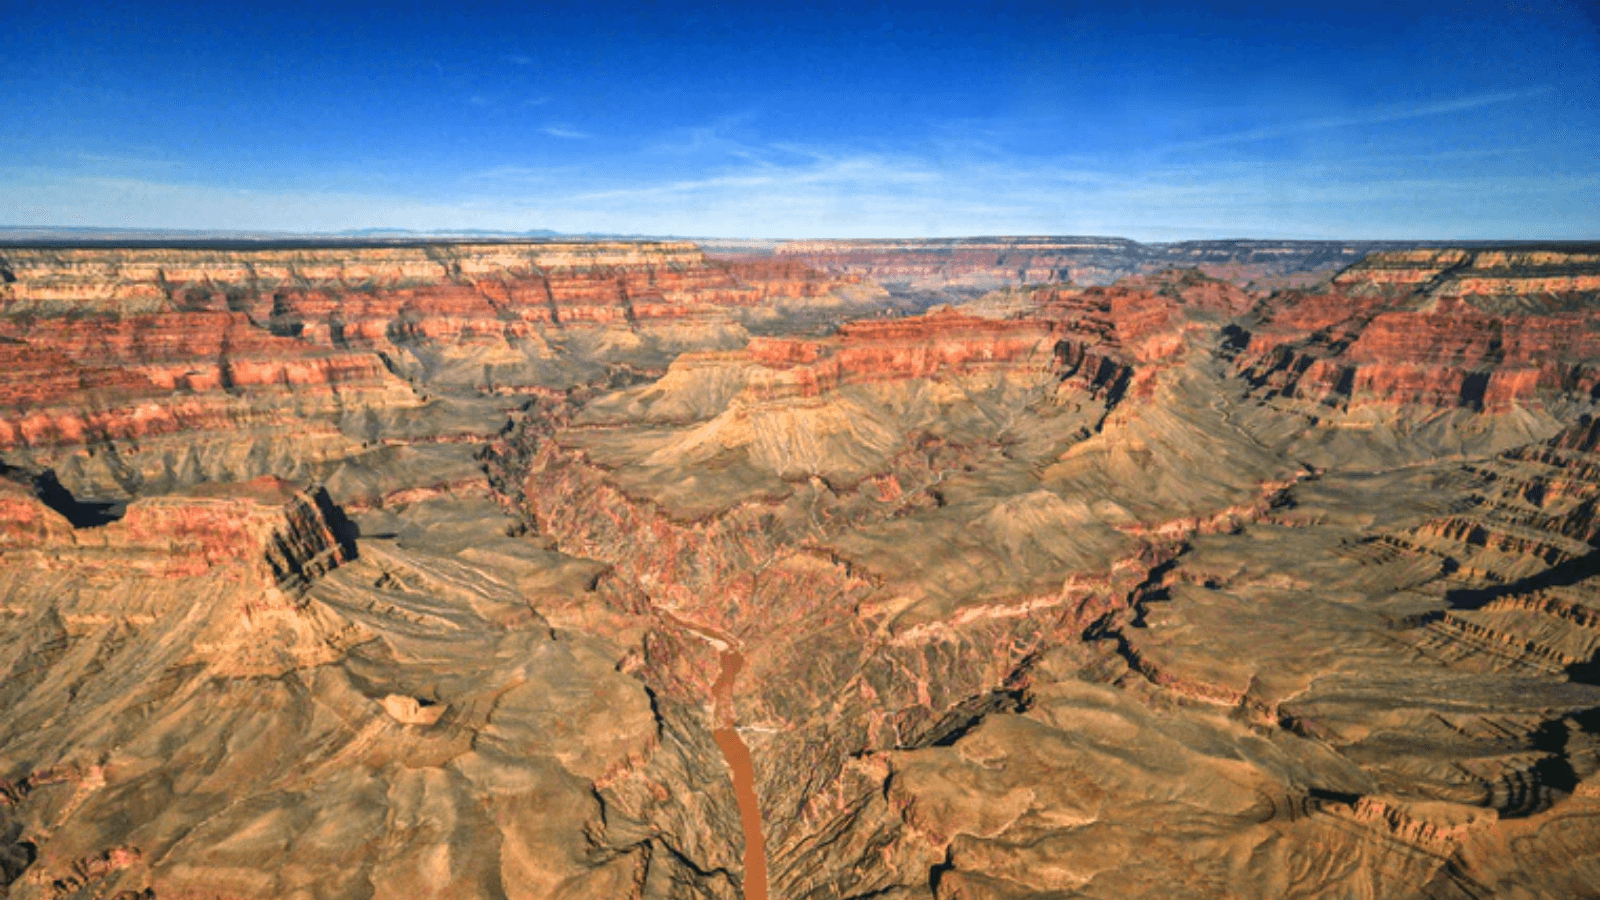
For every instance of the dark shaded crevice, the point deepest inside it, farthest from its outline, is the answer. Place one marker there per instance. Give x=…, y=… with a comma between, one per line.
x=1106, y=375
x=1584, y=672
x=52, y=493
x=1104, y=630
x=405, y=329
x=1444, y=275
x=1562, y=574
x=1331, y=796
x=284, y=321
x=1554, y=771
x=389, y=363
x=627, y=303
x=1153, y=588
x=15, y=855
x=1451, y=881
x=336, y=334
x=970, y=713
x=240, y=300
x=549, y=297
x=699, y=870
x=1495, y=353
x=1235, y=340
x=1119, y=388
x=937, y=871
x=893, y=890
x=165, y=286
x=340, y=525
x=1347, y=381
x=1069, y=358
x=1258, y=375
x=1110, y=626
x=1473, y=387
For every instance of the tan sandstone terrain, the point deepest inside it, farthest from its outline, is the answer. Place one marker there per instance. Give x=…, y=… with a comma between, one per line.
x=466, y=570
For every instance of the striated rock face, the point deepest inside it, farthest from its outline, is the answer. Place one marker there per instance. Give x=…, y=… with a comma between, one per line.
x=587, y=277
x=1494, y=330
x=354, y=296
x=1520, y=280
x=73, y=380
x=1170, y=587
x=132, y=370
x=282, y=536
x=981, y=264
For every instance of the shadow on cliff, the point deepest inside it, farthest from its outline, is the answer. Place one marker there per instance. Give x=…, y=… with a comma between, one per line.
x=344, y=529
x=1563, y=574
x=50, y=491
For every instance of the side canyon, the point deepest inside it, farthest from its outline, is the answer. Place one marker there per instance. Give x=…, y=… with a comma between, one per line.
x=998, y=568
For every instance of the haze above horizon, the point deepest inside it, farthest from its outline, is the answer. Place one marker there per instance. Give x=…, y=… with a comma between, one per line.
x=1154, y=121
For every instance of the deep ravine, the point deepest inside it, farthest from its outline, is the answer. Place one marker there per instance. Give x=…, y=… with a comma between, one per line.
x=726, y=734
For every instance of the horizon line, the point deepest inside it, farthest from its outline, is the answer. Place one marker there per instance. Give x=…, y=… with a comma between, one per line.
x=15, y=235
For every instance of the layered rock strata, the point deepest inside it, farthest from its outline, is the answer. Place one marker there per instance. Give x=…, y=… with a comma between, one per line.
x=1493, y=330
x=980, y=264
x=129, y=370
x=1072, y=592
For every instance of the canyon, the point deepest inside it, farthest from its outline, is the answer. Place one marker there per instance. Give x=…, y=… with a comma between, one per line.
x=991, y=568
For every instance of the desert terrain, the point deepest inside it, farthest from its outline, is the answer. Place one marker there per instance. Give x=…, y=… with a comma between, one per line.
x=990, y=569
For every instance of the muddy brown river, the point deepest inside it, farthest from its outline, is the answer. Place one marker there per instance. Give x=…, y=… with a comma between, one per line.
x=744, y=776
x=726, y=734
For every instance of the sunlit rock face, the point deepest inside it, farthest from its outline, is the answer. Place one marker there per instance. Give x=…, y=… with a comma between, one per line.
x=415, y=571
x=132, y=370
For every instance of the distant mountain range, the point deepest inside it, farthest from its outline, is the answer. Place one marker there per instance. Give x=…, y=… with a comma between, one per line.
x=21, y=234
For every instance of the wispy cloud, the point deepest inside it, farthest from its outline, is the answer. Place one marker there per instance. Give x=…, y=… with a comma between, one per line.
x=478, y=100
x=715, y=138
x=512, y=176
x=49, y=197
x=123, y=160
x=860, y=174
x=519, y=59
x=724, y=179
x=564, y=131
x=1374, y=116
x=856, y=196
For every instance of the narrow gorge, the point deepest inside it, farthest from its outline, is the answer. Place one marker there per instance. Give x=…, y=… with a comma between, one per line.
x=740, y=764
x=996, y=568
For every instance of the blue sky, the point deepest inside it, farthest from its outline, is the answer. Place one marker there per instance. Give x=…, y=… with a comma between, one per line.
x=1157, y=121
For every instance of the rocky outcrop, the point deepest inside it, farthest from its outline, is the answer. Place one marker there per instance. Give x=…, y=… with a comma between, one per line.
x=282, y=536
